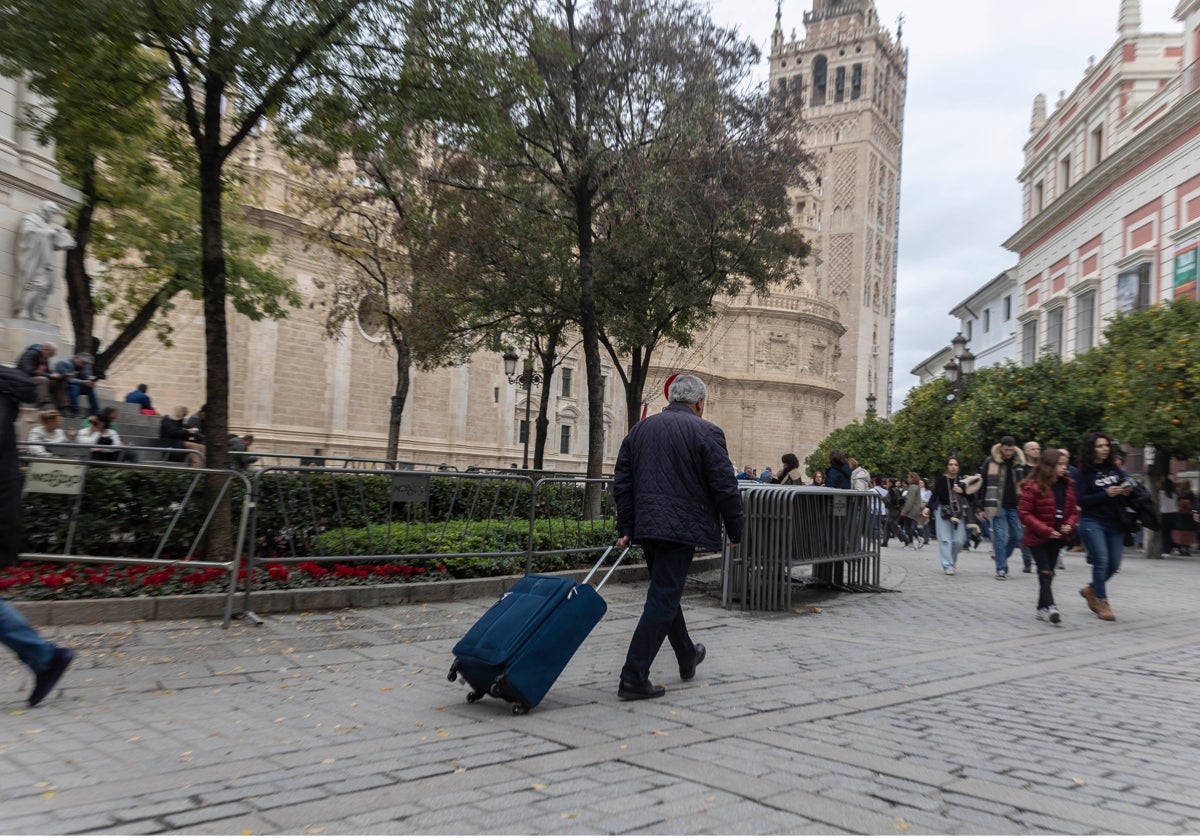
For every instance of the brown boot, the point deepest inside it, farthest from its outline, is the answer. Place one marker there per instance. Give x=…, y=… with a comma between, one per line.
x=1104, y=613
x=1090, y=594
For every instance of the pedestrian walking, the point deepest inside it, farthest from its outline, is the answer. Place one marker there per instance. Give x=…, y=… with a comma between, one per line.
x=673, y=488
x=950, y=508
x=1101, y=488
x=1033, y=452
x=1003, y=471
x=47, y=661
x=1048, y=514
x=912, y=513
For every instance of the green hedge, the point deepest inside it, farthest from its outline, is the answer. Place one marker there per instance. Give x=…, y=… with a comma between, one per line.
x=126, y=513
x=473, y=539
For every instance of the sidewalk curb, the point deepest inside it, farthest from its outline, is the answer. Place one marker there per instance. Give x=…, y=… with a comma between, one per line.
x=212, y=605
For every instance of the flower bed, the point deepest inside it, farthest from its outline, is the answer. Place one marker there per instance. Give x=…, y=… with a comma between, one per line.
x=52, y=581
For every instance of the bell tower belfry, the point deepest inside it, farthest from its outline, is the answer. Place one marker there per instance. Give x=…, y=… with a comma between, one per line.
x=847, y=77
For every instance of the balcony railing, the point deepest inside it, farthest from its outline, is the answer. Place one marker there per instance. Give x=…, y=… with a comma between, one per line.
x=1191, y=78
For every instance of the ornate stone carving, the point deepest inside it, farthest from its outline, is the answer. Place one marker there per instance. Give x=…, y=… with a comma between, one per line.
x=776, y=351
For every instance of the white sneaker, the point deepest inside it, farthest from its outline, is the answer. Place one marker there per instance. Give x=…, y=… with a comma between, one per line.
x=1053, y=613
x=1044, y=614
x=950, y=571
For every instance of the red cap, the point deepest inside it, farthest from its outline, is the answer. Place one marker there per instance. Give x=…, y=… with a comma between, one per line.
x=667, y=387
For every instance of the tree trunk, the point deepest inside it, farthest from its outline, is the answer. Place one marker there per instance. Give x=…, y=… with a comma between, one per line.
x=219, y=544
x=79, y=284
x=591, y=356
x=635, y=386
x=547, y=358
x=399, y=396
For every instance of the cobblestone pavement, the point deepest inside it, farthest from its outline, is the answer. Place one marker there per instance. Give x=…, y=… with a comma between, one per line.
x=940, y=708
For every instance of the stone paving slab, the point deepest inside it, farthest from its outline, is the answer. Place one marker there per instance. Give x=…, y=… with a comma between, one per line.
x=942, y=707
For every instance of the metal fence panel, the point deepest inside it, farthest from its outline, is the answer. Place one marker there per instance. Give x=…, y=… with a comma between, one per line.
x=138, y=512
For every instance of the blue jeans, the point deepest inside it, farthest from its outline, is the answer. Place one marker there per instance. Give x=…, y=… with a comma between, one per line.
x=1006, y=536
x=1104, y=545
x=93, y=403
x=662, y=616
x=17, y=634
x=951, y=538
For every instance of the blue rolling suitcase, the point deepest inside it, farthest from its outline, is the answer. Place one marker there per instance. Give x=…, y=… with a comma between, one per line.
x=523, y=642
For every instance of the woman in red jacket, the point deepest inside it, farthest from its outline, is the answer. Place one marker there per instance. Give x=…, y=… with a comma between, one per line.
x=1048, y=513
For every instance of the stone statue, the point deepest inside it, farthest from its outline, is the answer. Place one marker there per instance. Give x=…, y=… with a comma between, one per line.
x=38, y=238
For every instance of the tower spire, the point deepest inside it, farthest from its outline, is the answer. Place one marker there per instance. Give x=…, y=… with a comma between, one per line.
x=777, y=35
x=1130, y=23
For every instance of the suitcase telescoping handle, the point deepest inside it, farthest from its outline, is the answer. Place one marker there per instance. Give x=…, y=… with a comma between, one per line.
x=600, y=563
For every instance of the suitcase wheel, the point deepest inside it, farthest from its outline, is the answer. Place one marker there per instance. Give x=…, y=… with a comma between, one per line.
x=495, y=690
x=519, y=709
x=474, y=695
x=453, y=675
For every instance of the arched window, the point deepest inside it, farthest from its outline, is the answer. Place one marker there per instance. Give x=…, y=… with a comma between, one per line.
x=820, y=78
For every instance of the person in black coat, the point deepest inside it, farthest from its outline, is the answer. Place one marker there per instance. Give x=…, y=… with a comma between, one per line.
x=838, y=474
x=47, y=661
x=673, y=486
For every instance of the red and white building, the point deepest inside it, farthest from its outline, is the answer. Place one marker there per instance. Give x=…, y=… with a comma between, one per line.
x=1111, y=189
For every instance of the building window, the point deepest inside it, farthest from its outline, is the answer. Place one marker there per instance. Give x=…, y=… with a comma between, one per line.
x=566, y=382
x=1054, y=331
x=495, y=395
x=1029, y=342
x=1085, y=322
x=522, y=431
x=987, y=321
x=1096, y=145
x=1133, y=288
x=970, y=330
x=1007, y=308
x=820, y=78
x=856, y=79
x=1064, y=175
x=781, y=93
x=839, y=85
x=564, y=440
x=1039, y=196
x=797, y=91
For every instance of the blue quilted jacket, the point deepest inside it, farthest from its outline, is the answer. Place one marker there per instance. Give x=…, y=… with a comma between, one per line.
x=674, y=481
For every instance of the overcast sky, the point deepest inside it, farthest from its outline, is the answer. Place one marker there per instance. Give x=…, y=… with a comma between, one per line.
x=974, y=69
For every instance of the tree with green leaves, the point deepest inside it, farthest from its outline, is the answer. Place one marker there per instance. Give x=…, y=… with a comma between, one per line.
x=1152, y=392
x=1052, y=401
x=137, y=216
x=711, y=218
x=226, y=67
x=871, y=441
x=619, y=90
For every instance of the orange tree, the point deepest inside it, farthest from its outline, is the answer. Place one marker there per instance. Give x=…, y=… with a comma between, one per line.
x=1152, y=392
x=1051, y=401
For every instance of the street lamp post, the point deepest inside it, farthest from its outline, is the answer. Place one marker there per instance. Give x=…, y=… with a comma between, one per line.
x=526, y=379
x=959, y=369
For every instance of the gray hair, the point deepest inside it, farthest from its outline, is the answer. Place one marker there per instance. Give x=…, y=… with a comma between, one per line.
x=687, y=389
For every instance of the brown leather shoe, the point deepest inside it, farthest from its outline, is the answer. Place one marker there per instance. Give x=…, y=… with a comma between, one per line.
x=1104, y=613
x=1090, y=595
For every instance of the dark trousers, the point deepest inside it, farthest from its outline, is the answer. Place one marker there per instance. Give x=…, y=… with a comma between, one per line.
x=662, y=616
x=1046, y=557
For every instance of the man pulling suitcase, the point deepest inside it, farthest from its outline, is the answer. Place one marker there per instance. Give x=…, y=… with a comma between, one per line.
x=674, y=485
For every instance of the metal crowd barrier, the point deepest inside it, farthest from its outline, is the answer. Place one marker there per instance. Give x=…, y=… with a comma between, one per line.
x=158, y=515
x=832, y=531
